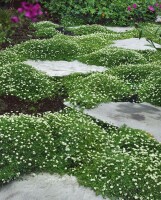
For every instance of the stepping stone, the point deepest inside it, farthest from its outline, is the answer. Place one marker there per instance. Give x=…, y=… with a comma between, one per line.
x=47, y=187
x=158, y=19
x=63, y=68
x=143, y=116
x=135, y=44
x=120, y=29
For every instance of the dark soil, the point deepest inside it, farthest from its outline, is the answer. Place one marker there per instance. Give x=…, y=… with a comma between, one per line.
x=12, y=104
x=132, y=99
x=21, y=34
x=64, y=31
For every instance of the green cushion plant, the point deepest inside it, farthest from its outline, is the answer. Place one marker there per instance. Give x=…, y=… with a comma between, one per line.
x=112, y=57
x=96, y=88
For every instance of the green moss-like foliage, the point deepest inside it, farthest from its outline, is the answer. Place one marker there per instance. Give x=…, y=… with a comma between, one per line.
x=128, y=170
x=135, y=73
x=9, y=56
x=96, y=88
x=60, y=142
x=93, y=42
x=150, y=89
x=46, y=33
x=44, y=25
x=89, y=29
x=112, y=57
x=57, y=48
x=122, y=163
x=25, y=82
x=44, y=29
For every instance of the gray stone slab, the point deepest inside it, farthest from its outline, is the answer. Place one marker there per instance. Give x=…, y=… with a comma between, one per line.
x=143, y=116
x=158, y=19
x=63, y=68
x=112, y=28
x=135, y=44
x=47, y=187
x=120, y=29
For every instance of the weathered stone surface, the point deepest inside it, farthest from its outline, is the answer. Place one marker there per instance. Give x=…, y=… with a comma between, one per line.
x=158, y=19
x=47, y=187
x=143, y=116
x=63, y=68
x=119, y=29
x=135, y=44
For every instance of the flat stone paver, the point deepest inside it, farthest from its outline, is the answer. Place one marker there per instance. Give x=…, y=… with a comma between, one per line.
x=63, y=68
x=120, y=29
x=143, y=116
x=135, y=44
x=47, y=187
x=158, y=19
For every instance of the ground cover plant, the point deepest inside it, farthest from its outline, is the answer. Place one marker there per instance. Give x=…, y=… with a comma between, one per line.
x=70, y=142
x=115, y=162
x=150, y=90
x=44, y=29
x=23, y=81
x=96, y=88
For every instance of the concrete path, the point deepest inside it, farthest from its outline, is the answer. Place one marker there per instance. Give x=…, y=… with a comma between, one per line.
x=47, y=187
x=135, y=44
x=143, y=116
x=63, y=68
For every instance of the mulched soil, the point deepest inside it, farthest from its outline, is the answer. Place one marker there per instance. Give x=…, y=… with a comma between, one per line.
x=12, y=104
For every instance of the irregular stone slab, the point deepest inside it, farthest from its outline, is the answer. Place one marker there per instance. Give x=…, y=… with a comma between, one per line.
x=158, y=19
x=143, y=116
x=47, y=187
x=120, y=29
x=112, y=28
x=63, y=68
x=135, y=44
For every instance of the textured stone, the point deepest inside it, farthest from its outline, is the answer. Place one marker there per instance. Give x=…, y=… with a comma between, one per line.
x=63, y=68
x=135, y=44
x=120, y=29
x=47, y=187
x=158, y=19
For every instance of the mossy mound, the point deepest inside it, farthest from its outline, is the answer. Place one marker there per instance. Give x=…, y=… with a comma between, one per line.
x=59, y=47
x=150, y=89
x=89, y=29
x=96, y=88
x=112, y=57
x=25, y=82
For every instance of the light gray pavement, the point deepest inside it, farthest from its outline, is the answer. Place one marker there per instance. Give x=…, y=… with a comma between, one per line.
x=135, y=44
x=47, y=187
x=63, y=68
x=143, y=116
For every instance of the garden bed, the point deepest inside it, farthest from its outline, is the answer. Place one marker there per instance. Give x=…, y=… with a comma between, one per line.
x=39, y=134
